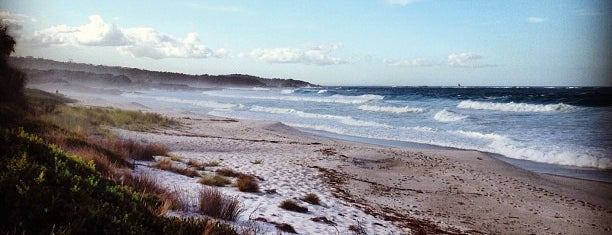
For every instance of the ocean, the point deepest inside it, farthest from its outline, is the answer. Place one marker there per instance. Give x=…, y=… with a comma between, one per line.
x=558, y=130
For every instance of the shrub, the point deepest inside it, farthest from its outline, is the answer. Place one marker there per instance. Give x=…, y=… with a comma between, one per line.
x=213, y=203
x=312, y=199
x=247, y=183
x=293, y=206
x=215, y=180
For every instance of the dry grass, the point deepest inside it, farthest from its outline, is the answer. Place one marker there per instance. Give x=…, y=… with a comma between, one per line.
x=213, y=203
x=247, y=183
x=145, y=185
x=212, y=163
x=197, y=165
x=166, y=164
x=312, y=199
x=228, y=172
x=292, y=206
x=257, y=161
x=215, y=180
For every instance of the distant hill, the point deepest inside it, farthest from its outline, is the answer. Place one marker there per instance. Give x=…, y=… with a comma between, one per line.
x=44, y=70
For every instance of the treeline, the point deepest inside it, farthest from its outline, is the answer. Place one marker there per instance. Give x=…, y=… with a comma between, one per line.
x=35, y=67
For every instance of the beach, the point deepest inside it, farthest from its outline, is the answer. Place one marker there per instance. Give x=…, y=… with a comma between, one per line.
x=383, y=190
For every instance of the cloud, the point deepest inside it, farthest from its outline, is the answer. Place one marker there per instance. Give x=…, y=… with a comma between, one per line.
x=535, y=20
x=15, y=21
x=314, y=55
x=416, y=62
x=466, y=59
x=401, y=2
x=135, y=42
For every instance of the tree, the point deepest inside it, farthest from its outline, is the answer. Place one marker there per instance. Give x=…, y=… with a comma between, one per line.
x=12, y=80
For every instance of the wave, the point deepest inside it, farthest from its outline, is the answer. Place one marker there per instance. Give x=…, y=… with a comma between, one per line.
x=287, y=91
x=514, y=107
x=390, y=109
x=506, y=146
x=348, y=120
x=200, y=103
x=343, y=99
x=448, y=116
x=321, y=91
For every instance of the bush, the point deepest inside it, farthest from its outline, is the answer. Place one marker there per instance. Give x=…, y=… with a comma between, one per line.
x=292, y=206
x=247, y=183
x=213, y=203
x=215, y=180
x=312, y=199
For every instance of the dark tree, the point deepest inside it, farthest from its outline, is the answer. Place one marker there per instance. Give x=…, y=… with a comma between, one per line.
x=12, y=81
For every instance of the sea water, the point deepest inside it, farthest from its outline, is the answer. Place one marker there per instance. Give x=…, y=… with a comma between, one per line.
x=561, y=130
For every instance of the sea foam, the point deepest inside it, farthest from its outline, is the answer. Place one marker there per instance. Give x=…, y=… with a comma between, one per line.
x=343, y=99
x=347, y=120
x=390, y=109
x=448, y=116
x=200, y=103
x=514, y=107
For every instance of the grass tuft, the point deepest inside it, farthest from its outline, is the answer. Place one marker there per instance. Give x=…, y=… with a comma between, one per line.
x=228, y=172
x=166, y=165
x=247, y=183
x=312, y=199
x=214, y=180
x=293, y=206
x=213, y=203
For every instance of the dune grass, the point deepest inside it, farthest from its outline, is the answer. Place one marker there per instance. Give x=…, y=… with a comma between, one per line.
x=247, y=183
x=291, y=205
x=166, y=164
x=214, y=180
x=60, y=178
x=312, y=199
x=213, y=203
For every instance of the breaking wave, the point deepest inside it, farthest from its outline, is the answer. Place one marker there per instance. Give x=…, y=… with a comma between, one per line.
x=390, y=109
x=448, y=116
x=348, y=120
x=200, y=103
x=327, y=99
x=514, y=107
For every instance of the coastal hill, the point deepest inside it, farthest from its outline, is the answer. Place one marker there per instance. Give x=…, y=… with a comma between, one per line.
x=50, y=71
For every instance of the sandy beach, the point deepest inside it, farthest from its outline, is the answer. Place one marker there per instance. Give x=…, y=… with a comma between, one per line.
x=384, y=190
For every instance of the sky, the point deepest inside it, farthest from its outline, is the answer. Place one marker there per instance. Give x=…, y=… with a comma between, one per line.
x=361, y=42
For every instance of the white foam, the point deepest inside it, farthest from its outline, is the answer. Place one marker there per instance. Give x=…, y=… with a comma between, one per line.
x=287, y=91
x=200, y=103
x=514, y=107
x=448, y=116
x=347, y=120
x=322, y=91
x=506, y=146
x=328, y=99
x=390, y=109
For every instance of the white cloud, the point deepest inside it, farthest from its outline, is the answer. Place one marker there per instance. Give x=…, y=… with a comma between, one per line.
x=315, y=55
x=416, y=62
x=135, y=42
x=589, y=12
x=401, y=2
x=466, y=59
x=535, y=20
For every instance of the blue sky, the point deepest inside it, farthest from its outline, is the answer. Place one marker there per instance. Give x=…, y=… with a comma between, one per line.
x=375, y=42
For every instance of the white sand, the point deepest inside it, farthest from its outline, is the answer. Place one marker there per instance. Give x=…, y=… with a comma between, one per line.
x=388, y=190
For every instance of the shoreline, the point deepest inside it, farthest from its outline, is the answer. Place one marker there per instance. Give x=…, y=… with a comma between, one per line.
x=603, y=176
x=439, y=191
